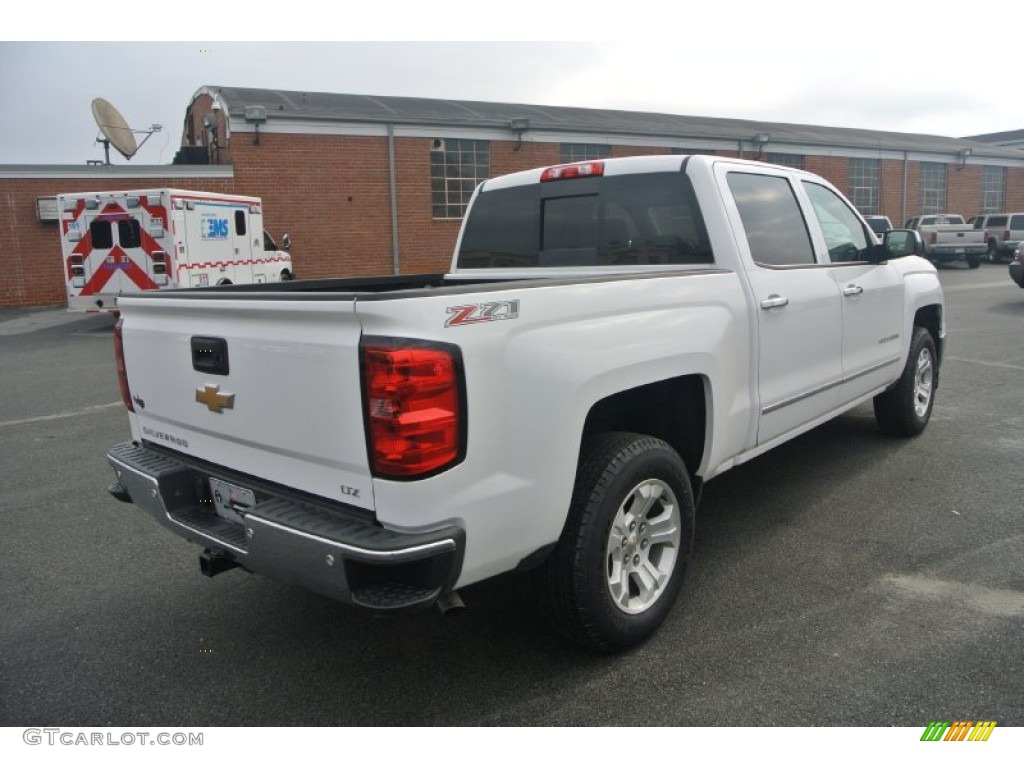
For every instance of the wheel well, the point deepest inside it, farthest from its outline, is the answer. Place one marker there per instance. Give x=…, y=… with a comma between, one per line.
x=673, y=410
x=931, y=318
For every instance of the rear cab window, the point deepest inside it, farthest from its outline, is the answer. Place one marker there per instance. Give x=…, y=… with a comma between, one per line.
x=602, y=221
x=879, y=226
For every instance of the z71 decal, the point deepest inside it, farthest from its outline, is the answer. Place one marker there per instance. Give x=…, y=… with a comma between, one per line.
x=488, y=311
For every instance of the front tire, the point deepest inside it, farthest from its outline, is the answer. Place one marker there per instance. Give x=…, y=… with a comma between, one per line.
x=904, y=410
x=619, y=564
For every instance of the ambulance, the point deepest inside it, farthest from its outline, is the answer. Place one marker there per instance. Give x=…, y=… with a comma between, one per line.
x=116, y=243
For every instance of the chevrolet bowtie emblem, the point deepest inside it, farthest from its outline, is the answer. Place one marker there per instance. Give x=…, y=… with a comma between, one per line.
x=214, y=399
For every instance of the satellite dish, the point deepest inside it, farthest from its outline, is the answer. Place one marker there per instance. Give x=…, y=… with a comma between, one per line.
x=114, y=128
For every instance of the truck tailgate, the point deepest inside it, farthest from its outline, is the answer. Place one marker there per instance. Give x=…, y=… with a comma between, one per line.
x=266, y=388
x=957, y=236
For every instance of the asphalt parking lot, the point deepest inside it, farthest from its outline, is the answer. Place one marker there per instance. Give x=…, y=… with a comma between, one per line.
x=844, y=579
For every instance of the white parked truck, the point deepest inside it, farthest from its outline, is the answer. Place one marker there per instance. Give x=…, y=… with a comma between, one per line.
x=125, y=242
x=610, y=336
x=948, y=238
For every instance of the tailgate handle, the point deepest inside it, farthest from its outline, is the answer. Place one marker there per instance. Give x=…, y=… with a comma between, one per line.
x=210, y=355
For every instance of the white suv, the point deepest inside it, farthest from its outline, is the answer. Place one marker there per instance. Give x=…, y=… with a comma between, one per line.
x=1005, y=233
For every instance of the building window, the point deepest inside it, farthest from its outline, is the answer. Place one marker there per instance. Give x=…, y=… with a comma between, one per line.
x=864, y=175
x=781, y=158
x=993, y=184
x=457, y=166
x=574, y=153
x=932, y=197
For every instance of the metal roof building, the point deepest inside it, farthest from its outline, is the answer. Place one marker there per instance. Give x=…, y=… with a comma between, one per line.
x=300, y=112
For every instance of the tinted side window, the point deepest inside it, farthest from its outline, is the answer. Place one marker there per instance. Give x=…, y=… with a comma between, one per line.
x=129, y=234
x=776, y=230
x=1017, y=222
x=102, y=234
x=996, y=221
x=844, y=234
x=239, y=222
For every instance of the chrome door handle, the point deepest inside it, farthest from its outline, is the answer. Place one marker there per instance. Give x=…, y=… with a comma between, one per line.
x=852, y=290
x=774, y=301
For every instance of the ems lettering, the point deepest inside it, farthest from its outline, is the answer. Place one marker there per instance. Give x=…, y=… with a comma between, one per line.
x=214, y=229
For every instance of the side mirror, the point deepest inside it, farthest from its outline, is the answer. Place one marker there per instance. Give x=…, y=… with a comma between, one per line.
x=903, y=242
x=286, y=242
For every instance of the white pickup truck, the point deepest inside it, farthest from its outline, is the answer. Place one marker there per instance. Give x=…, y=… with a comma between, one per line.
x=612, y=334
x=947, y=237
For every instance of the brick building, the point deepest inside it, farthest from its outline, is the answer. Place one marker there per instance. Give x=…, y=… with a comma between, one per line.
x=374, y=185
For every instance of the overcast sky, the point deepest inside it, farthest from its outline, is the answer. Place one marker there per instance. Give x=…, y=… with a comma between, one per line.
x=867, y=66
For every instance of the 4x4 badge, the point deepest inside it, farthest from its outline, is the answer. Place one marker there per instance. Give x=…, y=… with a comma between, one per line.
x=214, y=399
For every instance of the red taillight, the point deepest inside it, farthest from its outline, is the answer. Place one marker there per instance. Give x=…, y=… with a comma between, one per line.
x=573, y=171
x=933, y=238
x=1006, y=235
x=122, y=373
x=413, y=406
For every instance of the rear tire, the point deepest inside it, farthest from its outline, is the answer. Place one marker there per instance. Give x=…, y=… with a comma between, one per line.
x=991, y=253
x=904, y=410
x=973, y=262
x=619, y=564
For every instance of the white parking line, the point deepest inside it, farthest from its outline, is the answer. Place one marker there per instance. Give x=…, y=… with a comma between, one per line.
x=62, y=415
x=994, y=602
x=1011, y=366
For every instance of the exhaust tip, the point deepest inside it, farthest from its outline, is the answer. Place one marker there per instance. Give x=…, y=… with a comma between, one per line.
x=450, y=603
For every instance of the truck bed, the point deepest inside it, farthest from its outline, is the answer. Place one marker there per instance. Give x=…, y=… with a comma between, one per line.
x=412, y=286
